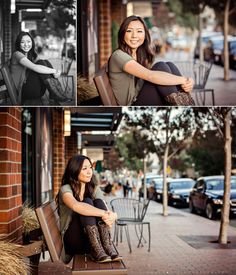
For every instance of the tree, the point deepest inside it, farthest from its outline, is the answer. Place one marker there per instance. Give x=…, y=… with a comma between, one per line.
x=222, y=116
x=168, y=128
x=221, y=120
x=229, y=7
x=132, y=146
x=207, y=153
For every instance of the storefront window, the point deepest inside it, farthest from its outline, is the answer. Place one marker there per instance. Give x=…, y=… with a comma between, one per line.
x=46, y=154
x=27, y=157
x=37, y=156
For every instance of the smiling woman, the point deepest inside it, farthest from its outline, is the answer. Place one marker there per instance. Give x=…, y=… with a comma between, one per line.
x=134, y=78
x=33, y=76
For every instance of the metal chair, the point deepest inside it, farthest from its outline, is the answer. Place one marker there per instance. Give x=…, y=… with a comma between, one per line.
x=66, y=77
x=131, y=212
x=200, y=73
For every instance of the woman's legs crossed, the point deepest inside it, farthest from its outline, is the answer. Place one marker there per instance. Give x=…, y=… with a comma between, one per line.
x=153, y=94
x=53, y=85
x=75, y=239
x=33, y=89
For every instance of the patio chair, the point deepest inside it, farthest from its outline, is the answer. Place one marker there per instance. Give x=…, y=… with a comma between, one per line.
x=66, y=77
x=200, y=73
x=131, y=212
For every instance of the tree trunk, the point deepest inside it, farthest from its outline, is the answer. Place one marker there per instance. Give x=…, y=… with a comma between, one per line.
x=227, y=182
x=165, y=191
x=144, y=178
x=226, y=47
x=201, y=56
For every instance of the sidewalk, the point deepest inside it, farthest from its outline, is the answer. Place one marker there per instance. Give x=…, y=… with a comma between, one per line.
x=180, y=244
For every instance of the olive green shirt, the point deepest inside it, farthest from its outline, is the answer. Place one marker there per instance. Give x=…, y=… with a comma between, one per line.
x=66, y=215
x=17, y=70
x=123, y=83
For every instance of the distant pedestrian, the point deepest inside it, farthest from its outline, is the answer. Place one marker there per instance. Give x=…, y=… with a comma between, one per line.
x=134, y=80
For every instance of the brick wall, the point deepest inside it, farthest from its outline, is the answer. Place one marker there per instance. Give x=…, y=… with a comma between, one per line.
x=118, y=11
x=58, y=148
x=10, y=173
x=71, y=146
x=104, y=14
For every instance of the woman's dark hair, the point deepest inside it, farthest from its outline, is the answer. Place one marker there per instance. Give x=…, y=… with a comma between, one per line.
x=32, y=54
x=144, y=53
x=71, y=175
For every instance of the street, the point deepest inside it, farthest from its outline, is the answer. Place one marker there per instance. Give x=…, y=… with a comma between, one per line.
x=231, y=223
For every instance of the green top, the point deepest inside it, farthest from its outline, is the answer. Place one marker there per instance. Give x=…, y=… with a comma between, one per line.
x=66, y=215
x=17, y=70
x=123, y=84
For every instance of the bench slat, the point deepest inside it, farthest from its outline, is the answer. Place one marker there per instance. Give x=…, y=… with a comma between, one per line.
x=104, y=88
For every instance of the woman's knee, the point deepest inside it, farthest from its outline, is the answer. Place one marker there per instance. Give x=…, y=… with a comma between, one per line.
x=174, y=69
x=44, y=63
x=99, y=203
x=161, y=66
x=88, y=201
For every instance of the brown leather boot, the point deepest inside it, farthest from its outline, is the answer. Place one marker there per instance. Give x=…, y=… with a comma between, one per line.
x=108, y=246
x=56, y=94
x=96, y=250
x=180, y=98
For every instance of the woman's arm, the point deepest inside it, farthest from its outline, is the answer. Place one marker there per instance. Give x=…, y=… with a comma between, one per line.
x=36, y=67
x=157, y=77
x=81, y=207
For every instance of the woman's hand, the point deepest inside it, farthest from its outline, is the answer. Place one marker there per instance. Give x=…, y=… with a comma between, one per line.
x=57, y=74
x=109, y=217
x=188, y=85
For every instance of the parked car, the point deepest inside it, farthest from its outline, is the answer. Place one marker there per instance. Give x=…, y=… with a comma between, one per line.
x=232, y=53
x=179, y=190
x=158, y=189
x=207, y=196
x=213, y=49
x=206, y=36
x=151, y=179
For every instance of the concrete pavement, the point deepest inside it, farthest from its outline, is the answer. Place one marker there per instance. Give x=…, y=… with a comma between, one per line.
x=181, y=243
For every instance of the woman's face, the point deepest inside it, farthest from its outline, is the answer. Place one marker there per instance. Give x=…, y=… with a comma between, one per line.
x=26, y=43
x=86, y=172
x=135, y=34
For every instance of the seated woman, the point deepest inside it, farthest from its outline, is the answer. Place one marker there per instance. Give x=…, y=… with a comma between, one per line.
x=134, y=80
x=84, y=217
x=33, y=76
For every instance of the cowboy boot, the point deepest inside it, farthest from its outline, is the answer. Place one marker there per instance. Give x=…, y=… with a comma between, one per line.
x=180, y=98
x=96, y=250
x=56, y=94
x=108, y=246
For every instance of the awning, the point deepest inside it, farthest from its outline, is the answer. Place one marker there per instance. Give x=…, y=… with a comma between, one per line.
x=95, y=118
x=32, y=4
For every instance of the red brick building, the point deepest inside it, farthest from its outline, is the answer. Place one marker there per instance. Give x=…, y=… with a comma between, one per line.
x=34, y=152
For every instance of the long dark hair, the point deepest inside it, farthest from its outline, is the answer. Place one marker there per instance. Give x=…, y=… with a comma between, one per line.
x=32, y=54
x=144, y=53
x=71, y=175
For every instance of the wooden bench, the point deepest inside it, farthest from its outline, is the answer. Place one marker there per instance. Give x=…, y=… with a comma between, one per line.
x=104, y=88
x=9, y=87
x=82, y=264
